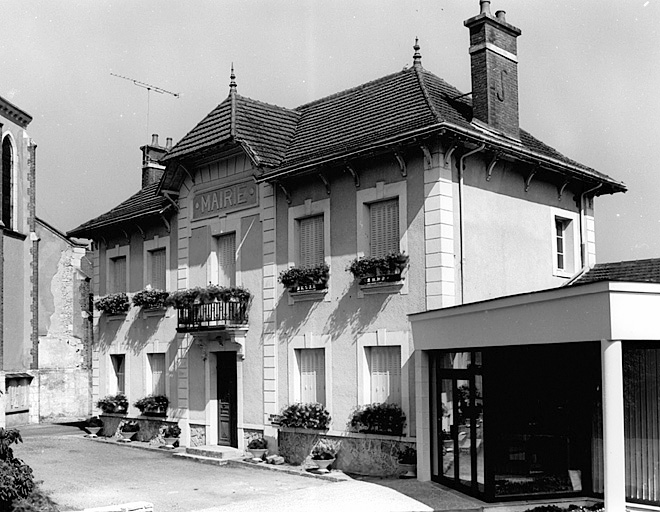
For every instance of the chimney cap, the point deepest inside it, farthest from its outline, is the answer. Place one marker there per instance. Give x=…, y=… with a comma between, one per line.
x=501, y=16
x=168, y=143
x=484, y=7
x=154, y=139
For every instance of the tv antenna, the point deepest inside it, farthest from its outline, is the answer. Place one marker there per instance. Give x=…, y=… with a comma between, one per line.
x=149, y=88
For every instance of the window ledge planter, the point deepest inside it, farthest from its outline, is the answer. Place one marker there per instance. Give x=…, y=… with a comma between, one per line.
x=303, y=279
x=380, y=287
x=379, y=275
x=302, y=295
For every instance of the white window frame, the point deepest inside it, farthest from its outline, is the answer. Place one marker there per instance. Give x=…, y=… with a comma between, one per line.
x=225, y=226
x=308, y=209
x=116, y=252
x=113, y=388
x=381, y=191
x=310, y=340
x=571, y=242
x=158, y=242
x=149, y=385
x=384, y=338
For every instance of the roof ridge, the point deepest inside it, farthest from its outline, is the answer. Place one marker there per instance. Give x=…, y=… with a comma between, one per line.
x=266, y=104
x=353, y=89
x=425, y=92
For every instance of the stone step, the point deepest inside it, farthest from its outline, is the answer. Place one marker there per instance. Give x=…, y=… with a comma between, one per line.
x=215, y=452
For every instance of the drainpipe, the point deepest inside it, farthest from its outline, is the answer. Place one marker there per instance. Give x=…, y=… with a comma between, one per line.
x=583, y=227
x=461, y=169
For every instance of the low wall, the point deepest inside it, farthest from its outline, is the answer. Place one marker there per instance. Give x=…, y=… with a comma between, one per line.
x=360, y=454
x=149, y=427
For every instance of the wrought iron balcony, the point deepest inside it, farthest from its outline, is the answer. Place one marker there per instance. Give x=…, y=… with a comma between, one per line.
x=213, y=316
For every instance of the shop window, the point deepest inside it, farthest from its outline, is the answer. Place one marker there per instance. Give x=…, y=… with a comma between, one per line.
x=311, y=247
x=7, y=182
x=383, y=227
x=156, y=374
x=384, y=374
x=118, y=381
x=311, y=370
x=118, y=274
x=158, y=269
x=226, y=251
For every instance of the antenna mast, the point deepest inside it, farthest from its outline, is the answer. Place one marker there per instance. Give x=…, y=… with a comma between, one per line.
x=149, y=88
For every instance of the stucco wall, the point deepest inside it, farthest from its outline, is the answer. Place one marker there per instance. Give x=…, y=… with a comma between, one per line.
x=16, y=305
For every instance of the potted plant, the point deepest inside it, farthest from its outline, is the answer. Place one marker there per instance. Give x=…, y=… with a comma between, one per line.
x=153, y=405
x=258, y=447
x=324, y=454
x=379, y=418
x=171, y=435
x=388, y=268
x=113, y=304
x=312, y=416
x=128, y=430
x=408, y=462
x=93, y=426
x=297, y=279
x=117, y=404
x=151, y=299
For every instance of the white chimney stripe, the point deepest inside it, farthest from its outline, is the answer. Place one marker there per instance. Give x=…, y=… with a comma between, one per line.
x=493, y=48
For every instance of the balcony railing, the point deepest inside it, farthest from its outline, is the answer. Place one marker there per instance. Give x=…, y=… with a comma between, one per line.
x=212, y=316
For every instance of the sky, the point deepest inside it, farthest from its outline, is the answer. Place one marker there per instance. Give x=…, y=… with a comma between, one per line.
x=589, y=83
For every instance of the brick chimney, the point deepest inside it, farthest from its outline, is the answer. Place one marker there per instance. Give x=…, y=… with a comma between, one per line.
x=152, y=171
x=494, y=63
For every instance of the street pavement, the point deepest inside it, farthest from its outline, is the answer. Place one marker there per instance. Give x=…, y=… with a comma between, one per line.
x=82, y=473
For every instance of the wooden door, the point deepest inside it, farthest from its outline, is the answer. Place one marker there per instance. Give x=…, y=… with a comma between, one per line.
x=227, y=421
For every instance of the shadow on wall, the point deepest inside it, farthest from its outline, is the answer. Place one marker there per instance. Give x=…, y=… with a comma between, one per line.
x=141, y=330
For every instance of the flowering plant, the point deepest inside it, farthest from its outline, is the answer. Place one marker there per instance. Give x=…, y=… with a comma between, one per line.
x=371, y=266
x=172, y=431
x=150, y=299
x=408, y=456
x=152, y=403
x=305, y=277
x=313, y=416
x=380, y=418
x=203, y=295
x=113, y=304
x=324, y=450
x=258, y=443
x=113, y=403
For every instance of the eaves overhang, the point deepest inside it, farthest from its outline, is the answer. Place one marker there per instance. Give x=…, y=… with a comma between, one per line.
x=94, y=229
x=492, y=143
x=12, y=112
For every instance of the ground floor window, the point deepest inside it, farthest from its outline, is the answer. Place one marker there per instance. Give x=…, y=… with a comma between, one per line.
x=117, y=379
x=511, y=422
x=311, y=369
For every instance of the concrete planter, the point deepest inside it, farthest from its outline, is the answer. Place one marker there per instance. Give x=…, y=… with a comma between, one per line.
x=361, y=454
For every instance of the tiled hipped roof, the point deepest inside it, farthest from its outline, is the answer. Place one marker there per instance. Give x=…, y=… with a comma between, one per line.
x=638, y=271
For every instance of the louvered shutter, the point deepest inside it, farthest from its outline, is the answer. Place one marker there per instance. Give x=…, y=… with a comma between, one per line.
x=157, y=368
x=227, y=260
x=119, y=274
x=385, y=374
x=158, y=269
x=311, y=241
x=384, y=227
x=312, y=375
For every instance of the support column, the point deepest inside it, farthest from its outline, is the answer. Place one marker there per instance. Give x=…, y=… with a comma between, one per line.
x=613, y=425
x=423, y=430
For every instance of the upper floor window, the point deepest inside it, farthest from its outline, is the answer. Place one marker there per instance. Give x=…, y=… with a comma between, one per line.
x=383, y=227
x=117, y=274
x=565, y=243
x=7, y=170
x=226, y=259
x=158, y=268
x=311, y=241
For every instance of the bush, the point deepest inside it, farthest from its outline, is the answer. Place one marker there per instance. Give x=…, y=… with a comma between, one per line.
x=313, y=416
x=16, y=479
x=113, y=403
x=258, y=443
x=172, y=431
x=383, y=418
x=324, y=450
x=150, y=299
x=36, y=501
x=152, y=403
x=113, y=304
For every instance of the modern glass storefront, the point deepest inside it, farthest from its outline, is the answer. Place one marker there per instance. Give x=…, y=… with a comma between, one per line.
x=512, y=422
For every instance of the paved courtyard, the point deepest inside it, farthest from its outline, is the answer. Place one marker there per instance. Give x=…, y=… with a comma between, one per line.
x=80, y=473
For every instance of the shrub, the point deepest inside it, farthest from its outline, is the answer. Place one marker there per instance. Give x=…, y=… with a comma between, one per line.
x=36, y=501
x=380, y=418
x=150, y=299
x=314, y=416
x=258, y=443
x=16, y=479
x=113, y=403
x=152, y=403
x=113, y=304
x=172, y=431
x=305, y=277
x=324, y=450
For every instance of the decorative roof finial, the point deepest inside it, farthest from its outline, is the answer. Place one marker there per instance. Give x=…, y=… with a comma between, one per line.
x=232, y=78
x=417, y=57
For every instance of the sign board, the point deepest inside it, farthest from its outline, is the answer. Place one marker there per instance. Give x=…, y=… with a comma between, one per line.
x=228, y=198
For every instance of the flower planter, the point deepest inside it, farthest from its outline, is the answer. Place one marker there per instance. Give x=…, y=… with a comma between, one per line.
x=257, y=453
x=323, y=464
x=169, y=442
x=127, y=437
x=93, y=431
x=410, y=470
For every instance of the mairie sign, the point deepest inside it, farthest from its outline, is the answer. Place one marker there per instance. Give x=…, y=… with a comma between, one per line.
x=225, y=199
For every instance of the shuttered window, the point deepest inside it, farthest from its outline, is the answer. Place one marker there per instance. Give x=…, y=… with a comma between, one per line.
x=157, y=373
x=118, y=366
x=311, y=363
x=384, y=227
x=118, y=274
x=385, y=374
x=158, y=263
x=311, y=241
x=227, y=260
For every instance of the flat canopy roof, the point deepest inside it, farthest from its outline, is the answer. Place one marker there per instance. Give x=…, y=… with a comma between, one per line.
x=592, y=312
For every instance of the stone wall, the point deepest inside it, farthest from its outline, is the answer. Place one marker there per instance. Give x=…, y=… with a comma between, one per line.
x=360, y=454
x=197, y=435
